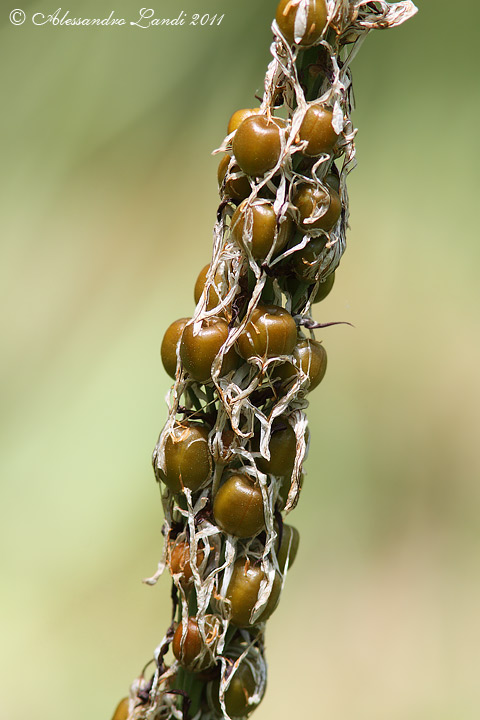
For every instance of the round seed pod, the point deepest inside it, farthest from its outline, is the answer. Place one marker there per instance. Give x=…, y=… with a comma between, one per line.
x=223, y=447
x=324, y=288
x=290, y=14
x=179, y=561
x=187, y=458
x=305, y=262
x=168, y=350
x=238, y=507
x=287, y=548
x=271, y=331
x=260, y=217
x=312, y=199
x=213, y=297
x=236, y=188
x=311, y=357
x=317, y=130
x=239, y=116
x=243, y=590
x=257, y=144
x=237, y=696
x=121, y=711
x=198, y=351
x=283, y=450
x=189, y=647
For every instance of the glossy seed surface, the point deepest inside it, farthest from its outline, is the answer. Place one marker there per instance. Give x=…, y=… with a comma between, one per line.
x=168, y=350
x=271, y=331
x=238, y=507
x=259, y=220
x=289, y=21
x=257, y=145
x=243, y=592
x=317, y=130
x=187, y=457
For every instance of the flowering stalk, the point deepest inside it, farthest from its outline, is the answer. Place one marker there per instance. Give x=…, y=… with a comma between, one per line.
x=229, y=459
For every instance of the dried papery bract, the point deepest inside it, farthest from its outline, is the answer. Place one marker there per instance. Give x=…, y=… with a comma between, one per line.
x=230, y=457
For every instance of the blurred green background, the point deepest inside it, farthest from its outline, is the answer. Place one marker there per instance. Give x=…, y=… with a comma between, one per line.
x=108, y=197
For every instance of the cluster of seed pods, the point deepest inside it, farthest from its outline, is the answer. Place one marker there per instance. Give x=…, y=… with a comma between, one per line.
x=229, y=459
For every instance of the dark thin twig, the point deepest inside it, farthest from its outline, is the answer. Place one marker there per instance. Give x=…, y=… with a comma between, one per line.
x=312, y=325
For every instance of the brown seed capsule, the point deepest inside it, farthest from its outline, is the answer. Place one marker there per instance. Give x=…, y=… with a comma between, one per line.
x=121, y=712
x=239, y=116
x=289, y=19
x=324, y=288
x=179, y=561
x=271, y=331
x=305, y=263
x=189, y=647
x=187, y=457
x=257, y=145
x=198, y=351
x=213, y=296
x=283, y=449
x=260, y=219
x=311, y=200
x=311, y=357
x=243, y=590
x=223, y=446
x=168, y=350
x=237, y=696
x=237, y=188
x=317, y=130
x=238, y=507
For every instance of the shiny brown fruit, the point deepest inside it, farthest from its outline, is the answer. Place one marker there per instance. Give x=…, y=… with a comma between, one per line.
x=223, y=447
x=168, y=350
x=239, y=116
x=238, y=507
x=243, y=590
x=283, y=449
x=180, y=560
x=306, y=262
x=317, y=130
x=198, y=351
x=312, y=200
x=257, y=145
x=241, y=688
x=311, y=357
x=213, y=296
x=237, y=188
x=324, y=288
x=317, y=16
x=271, y=331
x=188, y=649
x=260, y=219
x=188, y=460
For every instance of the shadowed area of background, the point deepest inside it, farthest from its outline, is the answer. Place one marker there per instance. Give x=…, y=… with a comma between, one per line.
x=108, y=197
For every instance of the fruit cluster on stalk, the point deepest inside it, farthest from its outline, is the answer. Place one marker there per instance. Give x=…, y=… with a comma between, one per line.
x=229, y=459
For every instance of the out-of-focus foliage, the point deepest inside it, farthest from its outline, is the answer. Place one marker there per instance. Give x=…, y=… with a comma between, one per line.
x=107, y=198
